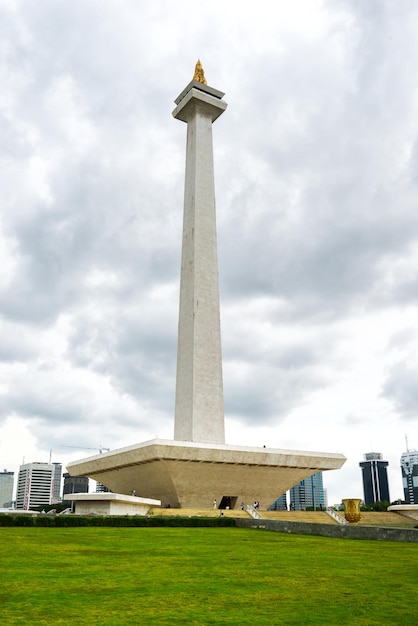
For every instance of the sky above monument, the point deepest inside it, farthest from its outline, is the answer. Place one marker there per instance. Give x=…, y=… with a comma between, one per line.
x=316, y=165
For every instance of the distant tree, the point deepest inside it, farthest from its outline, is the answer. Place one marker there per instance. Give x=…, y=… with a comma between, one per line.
x=50, y=507
x=379, y=506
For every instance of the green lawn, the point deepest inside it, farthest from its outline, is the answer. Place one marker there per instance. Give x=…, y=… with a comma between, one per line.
x=115, y=576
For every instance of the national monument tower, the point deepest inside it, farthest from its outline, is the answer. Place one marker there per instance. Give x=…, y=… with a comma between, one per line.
x=199, y=412
x=197, y=467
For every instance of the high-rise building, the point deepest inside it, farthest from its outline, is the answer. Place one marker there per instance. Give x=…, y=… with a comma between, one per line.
x=6, y=489
x=375, y=478
x=309, y=493
x=409, y=467
x=35, y=485
x=280, y=504
x=101, y=488
x=56, y=487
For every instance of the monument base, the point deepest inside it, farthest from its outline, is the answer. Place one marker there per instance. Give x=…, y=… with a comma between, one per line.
x=184, y=474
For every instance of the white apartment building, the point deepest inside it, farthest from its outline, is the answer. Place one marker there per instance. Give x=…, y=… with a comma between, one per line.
x=35, y=485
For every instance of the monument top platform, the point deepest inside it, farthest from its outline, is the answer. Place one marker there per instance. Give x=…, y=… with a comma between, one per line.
x=209, y=452
x=201, y=87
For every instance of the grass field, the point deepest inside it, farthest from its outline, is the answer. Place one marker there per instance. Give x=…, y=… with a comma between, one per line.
x=115, y=576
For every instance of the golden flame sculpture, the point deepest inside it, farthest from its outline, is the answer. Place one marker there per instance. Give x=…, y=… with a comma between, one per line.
x=199, y=74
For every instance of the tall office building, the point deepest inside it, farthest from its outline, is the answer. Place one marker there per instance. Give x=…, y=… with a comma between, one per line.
x=6, y=489
x=375, y=478
x=56, y=487
x=280, y=504
x=309, y=493
x=409, y=467
x=35, y=485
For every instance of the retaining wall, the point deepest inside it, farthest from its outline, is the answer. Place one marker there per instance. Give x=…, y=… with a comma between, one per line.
x=332, y=530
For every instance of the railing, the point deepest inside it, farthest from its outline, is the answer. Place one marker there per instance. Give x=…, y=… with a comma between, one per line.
x=334, y=515
x=251, y=510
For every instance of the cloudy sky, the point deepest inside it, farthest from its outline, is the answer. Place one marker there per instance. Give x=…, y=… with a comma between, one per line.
x=316, y=167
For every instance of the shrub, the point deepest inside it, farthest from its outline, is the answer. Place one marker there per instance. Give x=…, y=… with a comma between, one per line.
x=69, y=521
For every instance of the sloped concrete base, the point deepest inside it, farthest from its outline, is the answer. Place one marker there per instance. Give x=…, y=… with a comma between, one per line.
x=182, y=474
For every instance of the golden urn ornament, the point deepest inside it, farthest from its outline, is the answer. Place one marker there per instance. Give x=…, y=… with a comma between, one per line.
x=352, y=509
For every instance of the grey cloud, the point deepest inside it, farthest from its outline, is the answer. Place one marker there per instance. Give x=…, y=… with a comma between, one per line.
x=402, y=339
x=89, y=226
x=62, y=413
x=135, y=346
x=354, y=420
x=260, y=394
x=327, y=243
x=400, y=387
x=17, y=344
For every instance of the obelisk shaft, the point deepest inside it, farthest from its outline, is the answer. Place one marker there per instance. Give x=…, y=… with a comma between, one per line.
x=199, y=415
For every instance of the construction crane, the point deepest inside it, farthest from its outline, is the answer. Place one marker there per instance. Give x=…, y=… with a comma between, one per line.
x=101, y=449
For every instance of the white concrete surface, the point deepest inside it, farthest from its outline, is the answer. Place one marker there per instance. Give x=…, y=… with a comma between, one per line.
x=111, y=504
x=199, y=413
x=409, y=510
x=190, y=475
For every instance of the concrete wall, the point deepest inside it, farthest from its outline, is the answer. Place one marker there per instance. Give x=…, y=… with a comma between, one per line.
x=110, y=508
x=333, y=530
